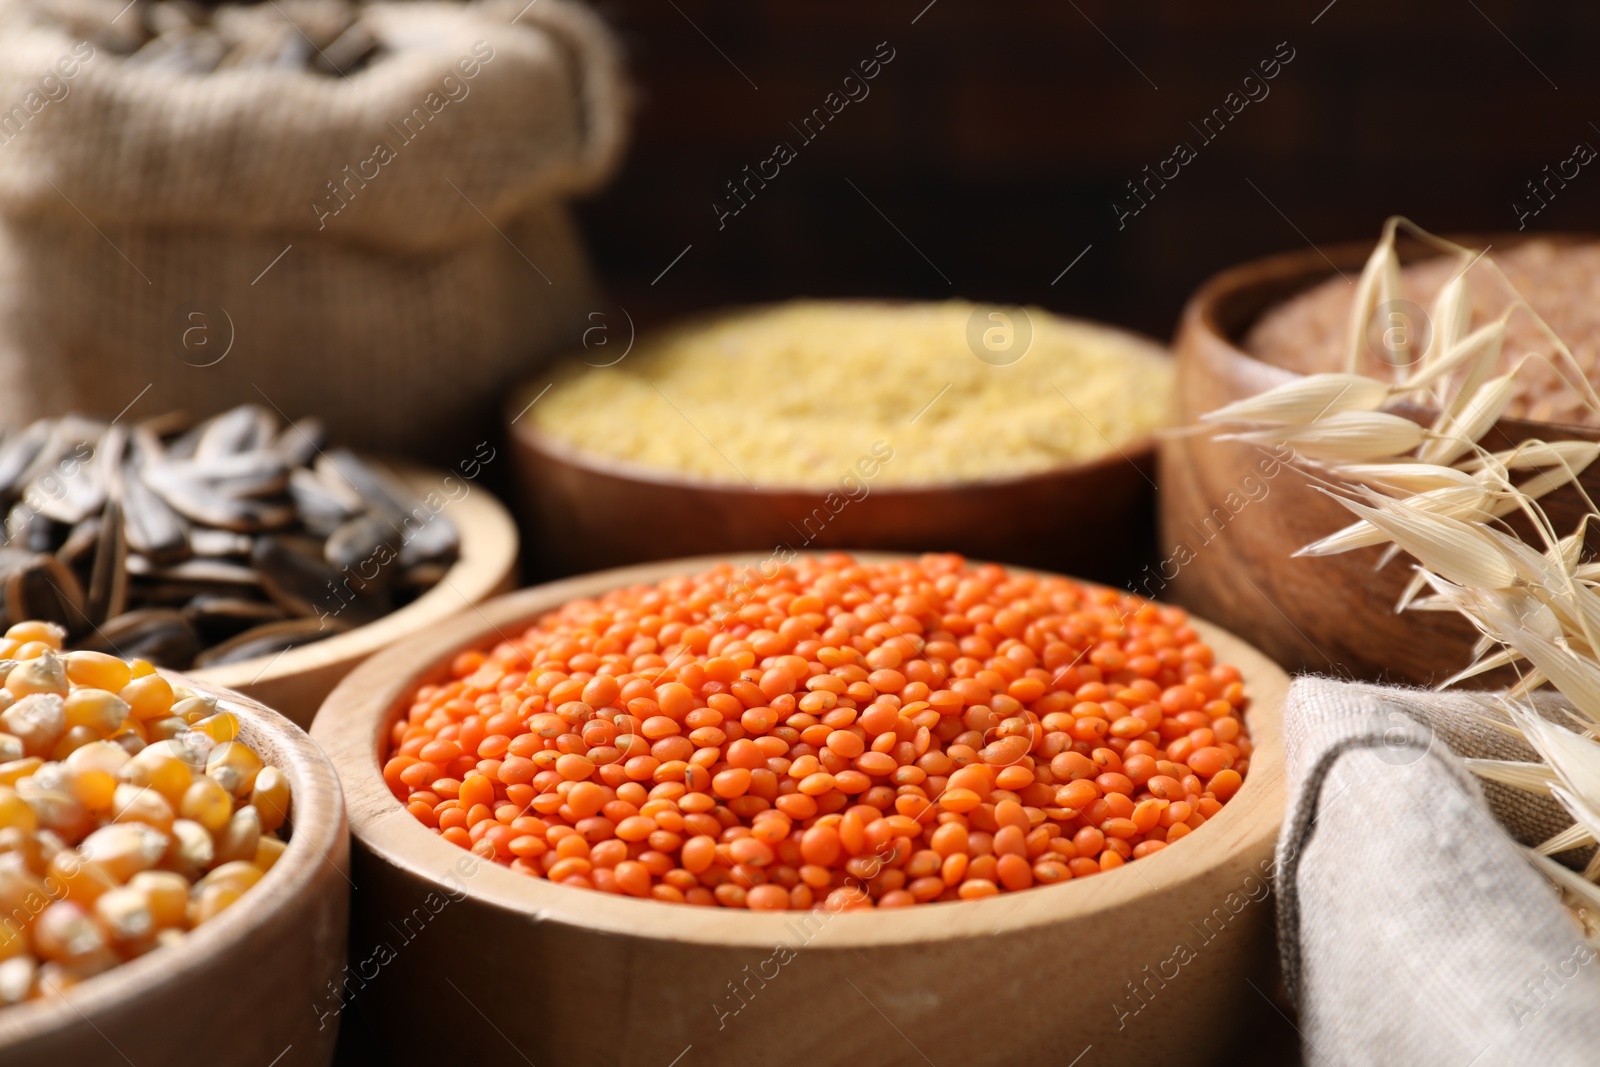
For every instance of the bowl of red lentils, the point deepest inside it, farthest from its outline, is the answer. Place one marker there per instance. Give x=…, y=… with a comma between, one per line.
x=825, y=807
x=172, y=867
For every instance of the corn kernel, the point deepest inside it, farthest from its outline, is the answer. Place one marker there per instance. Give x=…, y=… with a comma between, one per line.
x=235, y=765
x=149, y=695
x=221, y=727
x=65, y=933
x=42, y=674
x=75, y=738
x=270, y=798
x=123, y=849
x=164, y=729
x=99, y=709
x=238, y=840
x=94, y=789
x=167, y=775
x=13, y=771
x=15, y=812
x=193, y=849
x=207, y=803
x=166, y=894
x=97, y=670
x=35, y=630
x=124, y=914
x=72, y=876
x=143, y=804
x=268, y=851
x=210, y=902
x=239, y=874
x=101, y=756
x=38, y=720
x=16, y=976
x=141, y=668
x=10, y=748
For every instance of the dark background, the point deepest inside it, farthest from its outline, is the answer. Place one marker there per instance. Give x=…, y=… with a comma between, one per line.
x=1000, y=134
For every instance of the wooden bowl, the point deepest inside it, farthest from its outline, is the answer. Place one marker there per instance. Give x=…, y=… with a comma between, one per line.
x=297, y=681
x=577, y=977
x=243, y=990
x=582, y=510
x=1228, y=526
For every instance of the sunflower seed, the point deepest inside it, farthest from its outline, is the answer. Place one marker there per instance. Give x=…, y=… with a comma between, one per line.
x=108, y=578
x=152, y=527
x=269, y=639
x=162, y=636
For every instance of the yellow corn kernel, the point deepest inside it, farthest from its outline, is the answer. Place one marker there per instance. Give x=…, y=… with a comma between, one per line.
x=124, y=913
x=268, y=850
x=235, y=765
x=141, y=668
x=193, y=848
x=122, y=850
x=270, y=798
x=168, y=775
x=207, y=803
x=238, y=840
x=97, y=670
x=221, y=727
x=31, y=650
x=131, y=735
x=38, y=720
x=15, y=812
x=29, y=852
x=72, y=876
x=101, y=756
x=35, y=630
x=8, y=648
x=166, y=894
x=94, y=789
x=149, y=695
x=240, y=874
x=65, y=933
x=57, y=810
x=164, y=729
x=192, y=709
x=16, y=976
x=42, y=674
x=17, y=769
x=142, y=804
x=210, y=902
x=11, y=748
x=75, y=738
x=14, y=942
x=101, y=709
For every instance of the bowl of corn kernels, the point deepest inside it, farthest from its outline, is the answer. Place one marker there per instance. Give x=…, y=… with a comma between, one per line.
x=168, y=851
x=767, y=804
x=845, y=424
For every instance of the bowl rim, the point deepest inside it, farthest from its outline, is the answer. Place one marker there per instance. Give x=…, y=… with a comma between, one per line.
x=319, y=834
x=1310, y=267
x=554, y=449
x=483, y=524
x=355, y=718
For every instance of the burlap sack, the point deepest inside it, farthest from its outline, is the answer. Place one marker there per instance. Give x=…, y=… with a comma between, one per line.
x=1413, y=930
x=387, y=250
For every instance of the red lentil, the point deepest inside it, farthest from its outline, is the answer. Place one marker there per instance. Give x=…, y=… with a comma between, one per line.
x=879, y=734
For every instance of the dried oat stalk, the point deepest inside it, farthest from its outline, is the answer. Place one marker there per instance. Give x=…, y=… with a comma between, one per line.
x=1436, y=494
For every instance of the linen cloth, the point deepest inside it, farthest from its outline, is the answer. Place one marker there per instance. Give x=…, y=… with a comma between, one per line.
x=1412, y=928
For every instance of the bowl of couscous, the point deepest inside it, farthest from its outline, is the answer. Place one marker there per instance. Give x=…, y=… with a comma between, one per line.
x=1003, y=433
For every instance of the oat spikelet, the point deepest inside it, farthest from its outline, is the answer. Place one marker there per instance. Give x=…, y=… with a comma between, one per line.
x=1305, y=400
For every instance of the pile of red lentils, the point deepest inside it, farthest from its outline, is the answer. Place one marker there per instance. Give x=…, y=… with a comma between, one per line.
x=840, y=733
